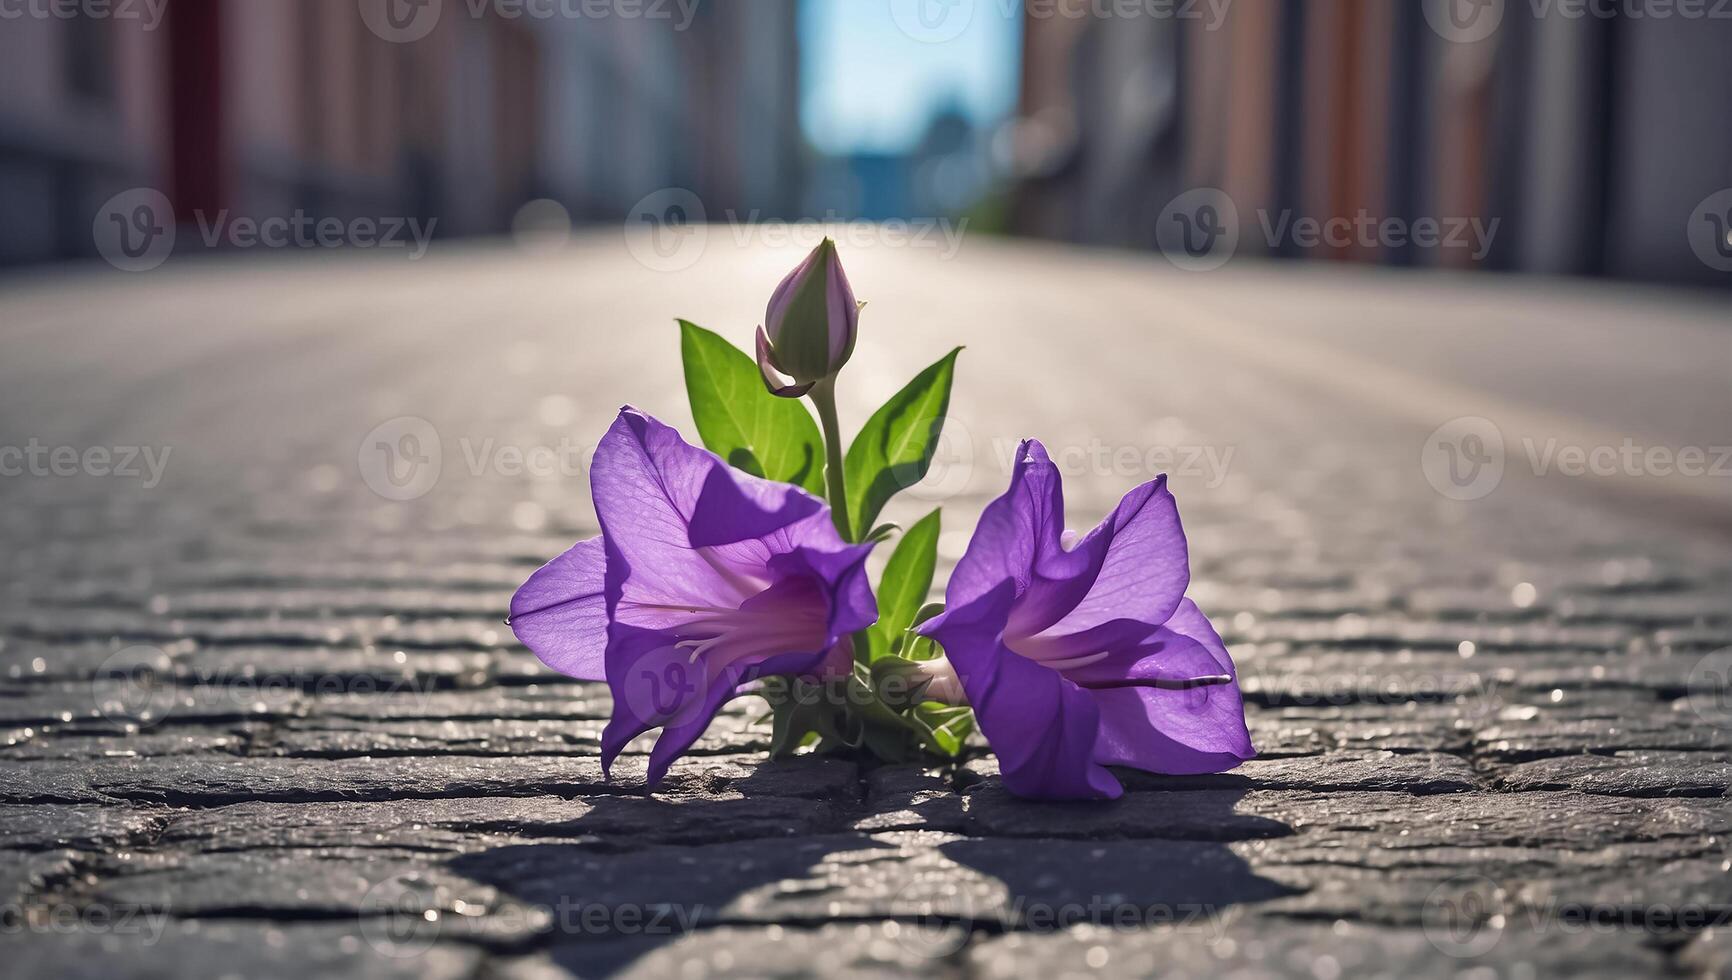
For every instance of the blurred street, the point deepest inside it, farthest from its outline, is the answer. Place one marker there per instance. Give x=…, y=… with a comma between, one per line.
x=1466, y=536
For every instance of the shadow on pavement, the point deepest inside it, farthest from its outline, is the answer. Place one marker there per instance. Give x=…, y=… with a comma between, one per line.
x=1114, y=872
x=619, y=897
x=624, y=895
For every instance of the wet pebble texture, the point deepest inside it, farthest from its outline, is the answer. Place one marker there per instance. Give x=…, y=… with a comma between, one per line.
x=261, y=716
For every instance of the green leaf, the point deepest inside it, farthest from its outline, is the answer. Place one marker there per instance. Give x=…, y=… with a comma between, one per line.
x=881, y=533
x=743, y=423
x=894, y=449
x=946, y=727
x=906, y=581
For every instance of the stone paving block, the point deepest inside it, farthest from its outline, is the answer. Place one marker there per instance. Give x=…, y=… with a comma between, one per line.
x=550, y=701
x=1410, y=773
x=339, y=738
x=1388, y=633
x=68, y=742
x=41, y=828
x=1261, y=949
x=852, y=951
x=265, y=951
x=205, y=783
x=1708, y=954
x=338, y=887
x=400, y=603
x=120, y=707
x=1405, y=727
x=25, y=872
x=1539, y=737
x=1639, y=773
x=336, y=671
x=1196, y=815
x=911, y=798
x=908, y=875
x=468, y=825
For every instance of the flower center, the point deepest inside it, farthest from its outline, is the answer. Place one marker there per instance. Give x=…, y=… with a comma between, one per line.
x=790, y=616
x=1049, y=651
x=1053, y=653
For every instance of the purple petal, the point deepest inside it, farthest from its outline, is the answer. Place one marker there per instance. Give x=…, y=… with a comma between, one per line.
x=1020, y=538
x=1179, y=732
x=652, y=680
x=657, y=684
x=713, y=579
x=1041, y=726
x=1014, y=531
x=844, y=312
x=659, y=501
x=776, y=313
x=775, y=379
x=735, y=506
x=560, y=613
x=1163, y=657
x=680, y=733
x=1143, y=566
x=852, y=605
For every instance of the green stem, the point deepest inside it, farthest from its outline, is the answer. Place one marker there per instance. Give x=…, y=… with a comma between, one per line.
x=823, y=395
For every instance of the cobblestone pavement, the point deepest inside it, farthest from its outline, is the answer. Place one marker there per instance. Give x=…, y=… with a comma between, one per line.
x=260, y=717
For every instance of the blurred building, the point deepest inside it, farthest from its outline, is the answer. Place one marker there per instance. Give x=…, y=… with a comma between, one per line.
x=942, y=175
x=265, y=108
x=1593, y=140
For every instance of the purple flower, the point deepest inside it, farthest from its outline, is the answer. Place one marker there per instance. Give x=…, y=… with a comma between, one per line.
x=703, y=579
x=810, y=326
x=1078, y=658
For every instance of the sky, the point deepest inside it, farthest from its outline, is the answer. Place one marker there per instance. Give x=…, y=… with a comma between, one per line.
x=874, y=72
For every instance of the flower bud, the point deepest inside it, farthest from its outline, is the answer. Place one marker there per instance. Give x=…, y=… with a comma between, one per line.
x=810, y=326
